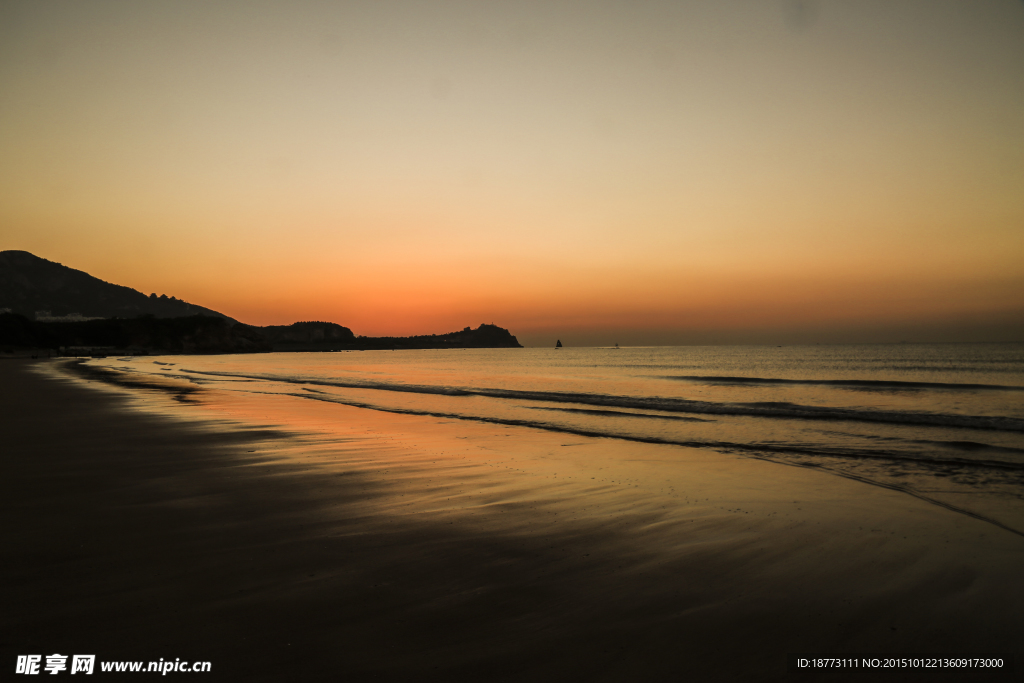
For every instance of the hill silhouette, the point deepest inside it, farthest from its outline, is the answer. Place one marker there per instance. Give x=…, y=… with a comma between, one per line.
x=45, y=305
x=483, y=337
x=209, y=334
x=43, y=290
x=307, y=336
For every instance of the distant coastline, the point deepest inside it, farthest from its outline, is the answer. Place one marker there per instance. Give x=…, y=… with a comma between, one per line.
x=50, y=307
x=201, y=334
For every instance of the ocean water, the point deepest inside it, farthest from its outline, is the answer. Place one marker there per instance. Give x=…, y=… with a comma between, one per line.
x=944, y=422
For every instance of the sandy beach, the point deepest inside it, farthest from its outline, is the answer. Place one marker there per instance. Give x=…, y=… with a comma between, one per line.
x=282, y=539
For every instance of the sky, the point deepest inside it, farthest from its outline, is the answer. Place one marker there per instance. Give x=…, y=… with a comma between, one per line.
x=642, y=172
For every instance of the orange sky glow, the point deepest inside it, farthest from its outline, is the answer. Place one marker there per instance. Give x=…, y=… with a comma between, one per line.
x=599, y=172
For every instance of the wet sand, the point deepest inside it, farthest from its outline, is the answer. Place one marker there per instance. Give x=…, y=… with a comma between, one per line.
x=286, y=539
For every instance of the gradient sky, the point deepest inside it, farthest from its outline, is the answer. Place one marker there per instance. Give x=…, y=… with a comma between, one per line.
x=768, y=171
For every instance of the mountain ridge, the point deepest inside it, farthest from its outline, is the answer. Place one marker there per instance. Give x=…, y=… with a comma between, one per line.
x=45, y=290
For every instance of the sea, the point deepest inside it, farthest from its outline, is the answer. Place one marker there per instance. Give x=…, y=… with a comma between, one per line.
x=942, y=422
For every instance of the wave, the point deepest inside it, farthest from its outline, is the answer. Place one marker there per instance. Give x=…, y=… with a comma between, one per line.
x=851, y=383
x=971, y=366
x=973, y=447
x=758, y=448
x=619, y=413
x=669, y=405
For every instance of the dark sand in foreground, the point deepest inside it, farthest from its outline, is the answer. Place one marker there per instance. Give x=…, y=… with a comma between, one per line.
x=370, y=546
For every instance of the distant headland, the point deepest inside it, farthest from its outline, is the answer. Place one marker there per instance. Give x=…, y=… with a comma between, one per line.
x=45, y=305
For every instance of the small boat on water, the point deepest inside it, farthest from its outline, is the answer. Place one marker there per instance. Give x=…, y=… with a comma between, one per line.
x=558, y=344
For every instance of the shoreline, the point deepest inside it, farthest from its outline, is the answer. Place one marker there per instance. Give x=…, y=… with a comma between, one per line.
x=282, y=538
